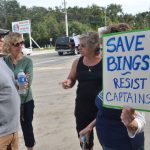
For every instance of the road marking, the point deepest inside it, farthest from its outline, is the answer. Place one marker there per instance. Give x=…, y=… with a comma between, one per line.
x=52, y=60
x=50, y=68
x=43, y=62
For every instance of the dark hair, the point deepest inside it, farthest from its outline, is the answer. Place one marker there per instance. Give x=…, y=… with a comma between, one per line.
x=3, y=32
x=117, y=28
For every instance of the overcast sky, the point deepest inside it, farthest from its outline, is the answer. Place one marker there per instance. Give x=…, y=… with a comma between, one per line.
x=128, y=6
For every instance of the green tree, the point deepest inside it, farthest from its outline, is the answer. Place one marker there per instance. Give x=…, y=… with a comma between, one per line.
x=78, y=28
x=50, y=23
x=113, y=11
x=10, y=12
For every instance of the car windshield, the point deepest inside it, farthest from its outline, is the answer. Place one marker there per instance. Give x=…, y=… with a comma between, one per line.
x=62, y=40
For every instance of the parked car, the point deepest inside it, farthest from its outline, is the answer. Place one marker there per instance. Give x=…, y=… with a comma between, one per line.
x=65, y=44
x=26, y=51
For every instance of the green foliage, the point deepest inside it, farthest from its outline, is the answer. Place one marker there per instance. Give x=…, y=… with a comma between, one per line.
x=50, y=23
x=78, y=28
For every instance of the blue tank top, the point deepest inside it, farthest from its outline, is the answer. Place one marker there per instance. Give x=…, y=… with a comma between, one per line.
x=111, y=131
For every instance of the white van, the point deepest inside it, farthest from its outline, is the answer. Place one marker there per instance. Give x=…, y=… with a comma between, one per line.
x=26, y=51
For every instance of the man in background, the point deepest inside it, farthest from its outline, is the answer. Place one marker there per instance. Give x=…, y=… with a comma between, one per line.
x=9, y=104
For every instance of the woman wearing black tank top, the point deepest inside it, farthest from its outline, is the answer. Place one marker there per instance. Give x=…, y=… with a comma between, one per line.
x=87, y=71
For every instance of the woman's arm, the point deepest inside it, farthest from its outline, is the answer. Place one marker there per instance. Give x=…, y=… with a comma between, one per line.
x=29, y=71
x=87, y=130
x=71, y=79
x=133, y=120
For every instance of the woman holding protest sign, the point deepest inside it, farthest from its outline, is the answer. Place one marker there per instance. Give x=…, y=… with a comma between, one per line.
x=117, y=129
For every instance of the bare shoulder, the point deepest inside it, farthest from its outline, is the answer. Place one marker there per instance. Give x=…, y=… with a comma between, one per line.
x=75, y=62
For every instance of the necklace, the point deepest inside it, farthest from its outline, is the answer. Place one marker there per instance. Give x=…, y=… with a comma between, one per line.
x=89, y=68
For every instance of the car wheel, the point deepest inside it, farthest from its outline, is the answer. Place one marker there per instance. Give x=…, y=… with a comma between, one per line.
x=78, y=50
x=60, y=53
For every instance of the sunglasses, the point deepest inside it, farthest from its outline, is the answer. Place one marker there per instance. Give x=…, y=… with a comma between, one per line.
x=18, y=44
x=82, y=45
x=1, y=39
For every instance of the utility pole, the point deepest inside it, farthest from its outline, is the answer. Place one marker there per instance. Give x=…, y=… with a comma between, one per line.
x=66, y=18
x=4, y=15
x=105, y=16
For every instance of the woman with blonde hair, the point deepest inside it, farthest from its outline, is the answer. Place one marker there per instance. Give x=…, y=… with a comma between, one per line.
x=13, y=44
